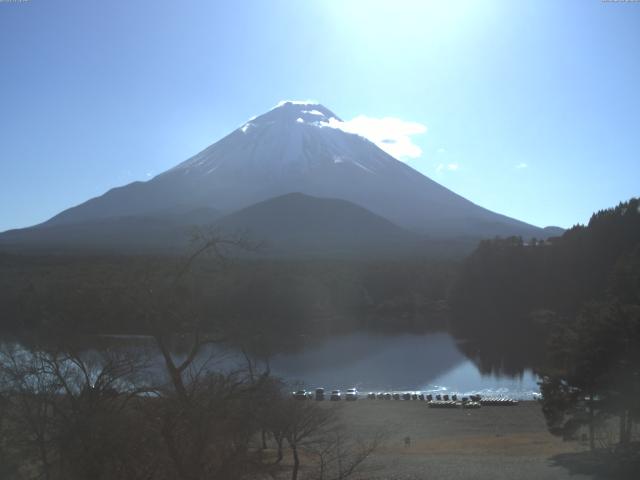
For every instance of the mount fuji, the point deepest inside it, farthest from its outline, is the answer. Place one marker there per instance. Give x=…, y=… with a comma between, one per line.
x=296, y=147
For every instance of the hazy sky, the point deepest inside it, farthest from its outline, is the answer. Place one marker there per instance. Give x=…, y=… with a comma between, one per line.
x=529, y=108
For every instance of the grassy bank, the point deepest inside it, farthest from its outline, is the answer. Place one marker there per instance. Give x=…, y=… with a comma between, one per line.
x=488, y=443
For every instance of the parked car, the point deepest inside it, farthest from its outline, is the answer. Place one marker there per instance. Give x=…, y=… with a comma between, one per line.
x=371, y=396
x=300, y=395
x=319, y=394
x=335, y=396
x=352, y=394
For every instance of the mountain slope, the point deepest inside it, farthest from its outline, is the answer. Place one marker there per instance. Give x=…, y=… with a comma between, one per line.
x=296, y=223
x=291, y=224
x=295, y=148
x=152, y=232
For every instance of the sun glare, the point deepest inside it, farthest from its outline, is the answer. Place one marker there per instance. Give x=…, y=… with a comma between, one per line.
x=405, y=18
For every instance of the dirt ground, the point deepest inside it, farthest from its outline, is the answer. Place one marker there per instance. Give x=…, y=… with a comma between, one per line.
x=489, y=443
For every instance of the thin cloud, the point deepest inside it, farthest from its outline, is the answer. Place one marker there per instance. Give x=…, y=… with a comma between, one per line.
x=521, y=165
x=393, y=135
x=451, y=167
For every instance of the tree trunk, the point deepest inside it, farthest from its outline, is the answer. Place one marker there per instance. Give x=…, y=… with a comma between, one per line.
x=45, y=460
x=623, y=424
x=264, y=439
x=174, y=373
x=296, y=463
x=173, y=451
x=626, y=424
x=592, y=445
x=280, y=455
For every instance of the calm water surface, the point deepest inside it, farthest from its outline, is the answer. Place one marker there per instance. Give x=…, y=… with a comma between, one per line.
x=429, y=362
x=426, y=362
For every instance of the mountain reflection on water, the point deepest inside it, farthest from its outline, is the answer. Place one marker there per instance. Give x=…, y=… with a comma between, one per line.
x=426, y=362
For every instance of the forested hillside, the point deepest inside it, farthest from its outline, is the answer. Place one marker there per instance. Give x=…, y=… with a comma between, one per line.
x=287, y=298
x=508, y=289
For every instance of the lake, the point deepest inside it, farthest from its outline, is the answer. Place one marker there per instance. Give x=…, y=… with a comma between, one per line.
x=370, y=362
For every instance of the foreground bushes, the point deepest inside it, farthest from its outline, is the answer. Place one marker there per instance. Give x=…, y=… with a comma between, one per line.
x=107, y=415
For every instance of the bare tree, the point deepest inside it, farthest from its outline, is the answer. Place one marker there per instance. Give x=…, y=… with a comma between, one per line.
x=172, y=308
x=205, y=416
x=99, y=414
x=68, y=414
x=28, y=396
x=304, y=423
x=341, y=455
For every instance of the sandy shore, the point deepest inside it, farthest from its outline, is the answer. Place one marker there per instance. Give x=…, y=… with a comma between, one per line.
x=488, y=443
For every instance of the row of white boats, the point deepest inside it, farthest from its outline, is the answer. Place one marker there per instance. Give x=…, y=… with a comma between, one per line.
x=446, y=401
x=433, y=401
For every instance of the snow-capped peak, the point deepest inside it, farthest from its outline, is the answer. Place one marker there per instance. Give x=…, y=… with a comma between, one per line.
x=293, y=111
x=294, y=138
x=295, y=102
